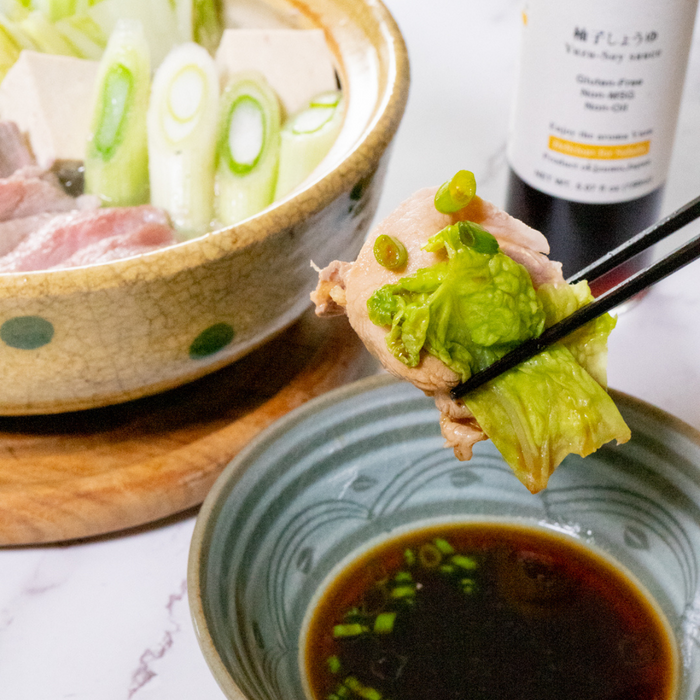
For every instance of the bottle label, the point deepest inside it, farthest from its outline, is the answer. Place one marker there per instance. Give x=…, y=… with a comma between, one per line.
x=598, y=96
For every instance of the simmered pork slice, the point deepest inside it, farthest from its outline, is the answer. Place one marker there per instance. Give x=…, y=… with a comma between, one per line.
x=143, y=239
x=66, y=234
x=14, y=151
x=31, y=191
x=14, y=231
x=413, y=222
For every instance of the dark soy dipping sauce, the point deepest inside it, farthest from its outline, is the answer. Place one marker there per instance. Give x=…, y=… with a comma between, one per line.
x=487, y=611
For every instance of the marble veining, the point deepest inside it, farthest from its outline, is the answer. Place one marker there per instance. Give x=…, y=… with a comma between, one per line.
x=108, y=619
x=145, y=672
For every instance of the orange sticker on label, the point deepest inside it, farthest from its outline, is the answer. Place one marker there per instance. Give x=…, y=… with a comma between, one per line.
x=587, y=150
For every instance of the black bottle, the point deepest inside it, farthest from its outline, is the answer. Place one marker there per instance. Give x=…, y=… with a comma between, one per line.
x=593, y=121
x=579, y=233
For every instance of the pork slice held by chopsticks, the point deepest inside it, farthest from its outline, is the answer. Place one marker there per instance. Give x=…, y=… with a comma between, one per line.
x=475, y=283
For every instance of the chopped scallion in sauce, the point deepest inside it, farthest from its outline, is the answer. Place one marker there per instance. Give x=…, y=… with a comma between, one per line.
x=483, y=612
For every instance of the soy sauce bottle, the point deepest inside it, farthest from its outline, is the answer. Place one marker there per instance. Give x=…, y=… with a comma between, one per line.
x=593, y=121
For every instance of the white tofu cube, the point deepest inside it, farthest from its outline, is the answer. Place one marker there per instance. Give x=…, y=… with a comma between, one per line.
x=50, y=99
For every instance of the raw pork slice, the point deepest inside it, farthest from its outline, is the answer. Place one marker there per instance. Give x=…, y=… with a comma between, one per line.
x=64, y=235
x=138, y=241
x=32, y=191
x=347, y=287
x=14, y=231
x=14, y=151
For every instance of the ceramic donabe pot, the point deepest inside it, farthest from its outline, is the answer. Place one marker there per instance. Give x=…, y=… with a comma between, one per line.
x=92, y=336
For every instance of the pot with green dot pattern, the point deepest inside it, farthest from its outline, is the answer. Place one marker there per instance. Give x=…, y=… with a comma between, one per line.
x=102, y=334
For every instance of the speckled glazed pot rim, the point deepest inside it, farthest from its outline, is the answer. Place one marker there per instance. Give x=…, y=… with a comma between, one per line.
x=235, y=470
x=356, y=164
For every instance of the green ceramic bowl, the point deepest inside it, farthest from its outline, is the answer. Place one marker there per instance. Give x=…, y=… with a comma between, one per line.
x=103, y=334
x=367, y=460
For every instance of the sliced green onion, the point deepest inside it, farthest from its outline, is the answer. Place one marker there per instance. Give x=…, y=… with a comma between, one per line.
x=333, y=664
x=409, y=557
x=443, y=545
x=446, y=569
x=342, y=691
x=389, y=252
x=429, y=556
x=456, y=193
x=477, y=237
x=465, y=562
x=469, y=585
x=352, y=614
x=182, y=137
x=403, y=576
x=306, y=139
x=364, y=691
x=116, y=159
x=403, y=592
x=384, y=623
x=350, y=630
x=247, y=152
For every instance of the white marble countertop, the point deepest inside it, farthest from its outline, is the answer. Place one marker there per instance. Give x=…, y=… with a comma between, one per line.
x=108, y=619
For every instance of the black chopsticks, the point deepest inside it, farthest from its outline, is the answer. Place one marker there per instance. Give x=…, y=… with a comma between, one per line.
x=610, y=299
x=637, y=244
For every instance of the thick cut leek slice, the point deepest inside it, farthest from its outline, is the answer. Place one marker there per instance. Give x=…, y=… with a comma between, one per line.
x=158, y=18
x=306, y=139
x=12, y=41
x=116, y=161
x=183, y=18
x=44, y=35
x=85, y=34
x=207, y=25
x=9, y=51
x=15, y=35
x=247, y=150
x=182, y=119
x=54, y=10
x=86, y=25
x=13, y=10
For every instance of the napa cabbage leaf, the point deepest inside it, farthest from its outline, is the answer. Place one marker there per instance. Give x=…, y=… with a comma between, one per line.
x=477, y=304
